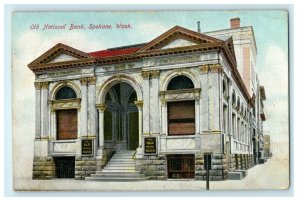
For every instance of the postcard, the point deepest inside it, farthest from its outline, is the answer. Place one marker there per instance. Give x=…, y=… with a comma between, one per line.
x=150, y=100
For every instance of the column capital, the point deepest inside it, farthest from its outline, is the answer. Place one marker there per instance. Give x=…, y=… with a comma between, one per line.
x=214, y=68
x=155, y=74
x=41, y=85
x=146, y=74
x=163, y=102
x=84, y=81
x=139, y=103
x=101, y=107
x=44, y=85
x=92, y=80
x=38, y=85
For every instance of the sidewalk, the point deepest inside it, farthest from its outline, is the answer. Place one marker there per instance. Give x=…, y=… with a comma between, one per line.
x=262, y=177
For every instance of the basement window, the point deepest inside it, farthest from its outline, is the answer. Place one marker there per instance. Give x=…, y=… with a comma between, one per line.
x=64, y=167
x=181, y=166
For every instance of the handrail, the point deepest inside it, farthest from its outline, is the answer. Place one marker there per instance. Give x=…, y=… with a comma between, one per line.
x=134, y=155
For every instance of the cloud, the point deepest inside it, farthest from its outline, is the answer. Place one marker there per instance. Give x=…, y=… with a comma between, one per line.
x=274, y=72
x=273, y=76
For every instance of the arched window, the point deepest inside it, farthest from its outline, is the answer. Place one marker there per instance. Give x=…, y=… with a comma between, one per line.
x=65, y=93
x=66, y=119
x=180, y=82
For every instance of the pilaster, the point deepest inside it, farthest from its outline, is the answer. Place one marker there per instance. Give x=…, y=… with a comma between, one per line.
x=37, y=110
x=146, y=104
x=92, y=106
x=44, y=110
x=83, y=109
x=154, y=104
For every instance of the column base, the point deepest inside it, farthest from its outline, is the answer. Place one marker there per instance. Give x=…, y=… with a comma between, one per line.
x=99, y=154
x=139, y=153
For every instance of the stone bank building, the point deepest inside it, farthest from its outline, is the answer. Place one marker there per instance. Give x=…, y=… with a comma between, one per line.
x=151, y=110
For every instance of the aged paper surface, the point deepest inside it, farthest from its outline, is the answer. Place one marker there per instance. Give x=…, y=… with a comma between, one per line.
x=34, y=33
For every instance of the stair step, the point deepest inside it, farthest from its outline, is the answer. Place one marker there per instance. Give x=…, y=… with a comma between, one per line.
x=118, y=170
x=114, y=179
x=123, y=157
x=118, y=175
x=235, y=176
x=121, y=165
x=121, y=160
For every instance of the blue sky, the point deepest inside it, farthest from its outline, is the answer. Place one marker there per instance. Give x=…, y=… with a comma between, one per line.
x=270, y=28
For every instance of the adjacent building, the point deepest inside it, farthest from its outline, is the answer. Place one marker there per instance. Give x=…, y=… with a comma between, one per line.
x=150, y=110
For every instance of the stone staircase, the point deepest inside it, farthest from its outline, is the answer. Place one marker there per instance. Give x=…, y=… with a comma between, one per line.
x=121, y=167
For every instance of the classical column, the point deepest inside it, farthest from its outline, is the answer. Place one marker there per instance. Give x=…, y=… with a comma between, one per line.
x=92, y=106
x=197, y=116
x=164, y=125
x=139, y=105
x=101, y=108
x=53, y=124
x=164, y=120
x=154, y=105
x=146, y=109
x=37, y=110
x=83, y=109
x=44, y=111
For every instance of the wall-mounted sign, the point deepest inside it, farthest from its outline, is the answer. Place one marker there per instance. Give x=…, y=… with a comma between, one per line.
x=150, y=145
x=87, y=147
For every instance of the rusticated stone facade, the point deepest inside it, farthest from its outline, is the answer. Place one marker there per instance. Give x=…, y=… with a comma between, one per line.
x=84, y=167
x=219, y=168
x=153, y=167
x=43, y=168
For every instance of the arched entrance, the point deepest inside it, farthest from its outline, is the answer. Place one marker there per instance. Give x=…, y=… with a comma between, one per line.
x=121, y=118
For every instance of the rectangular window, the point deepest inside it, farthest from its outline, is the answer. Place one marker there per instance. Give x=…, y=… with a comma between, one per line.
x=66, y=124
x=181, y=166
x=181, y=118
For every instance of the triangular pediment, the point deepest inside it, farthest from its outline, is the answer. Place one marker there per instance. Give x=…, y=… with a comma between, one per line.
x=179, y=43
x=58, y=54
x=178, y=37
x=62, y=57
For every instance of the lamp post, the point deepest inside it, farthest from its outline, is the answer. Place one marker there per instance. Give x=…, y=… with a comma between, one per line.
x=207, y=165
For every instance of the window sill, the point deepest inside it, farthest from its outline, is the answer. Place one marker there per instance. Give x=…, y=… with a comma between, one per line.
x=181, y=136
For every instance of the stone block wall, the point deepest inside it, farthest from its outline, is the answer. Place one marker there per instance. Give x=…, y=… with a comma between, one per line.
x=43, y=168
x=242, y=161
x=219, y=169
x=232, y=163
x=84, y=167
x=154, y=167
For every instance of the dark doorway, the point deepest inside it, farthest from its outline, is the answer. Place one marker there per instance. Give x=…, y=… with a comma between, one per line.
x=121, y=118
x=65, y=167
